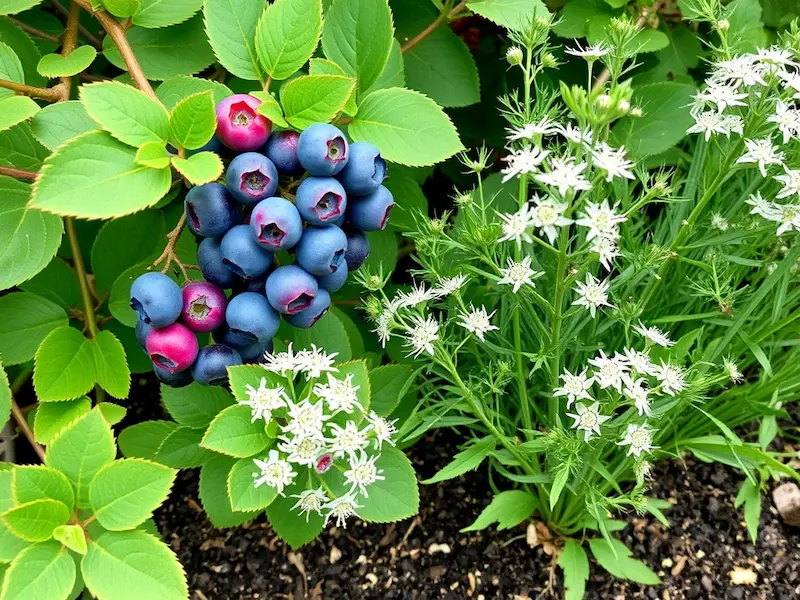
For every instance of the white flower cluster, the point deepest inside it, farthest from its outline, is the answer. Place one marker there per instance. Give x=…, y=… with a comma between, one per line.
x=767, y=81
x=308, y=437
x=634, y=378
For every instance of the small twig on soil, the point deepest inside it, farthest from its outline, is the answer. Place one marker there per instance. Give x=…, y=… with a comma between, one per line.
x=18, y=173
x=430, y=28
x=22, y=423
x=168, y=256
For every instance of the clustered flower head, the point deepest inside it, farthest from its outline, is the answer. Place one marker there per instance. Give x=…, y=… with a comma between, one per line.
x=736, y=95
x=312, y=436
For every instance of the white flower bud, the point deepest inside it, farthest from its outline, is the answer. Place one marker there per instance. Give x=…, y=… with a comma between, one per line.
x=723, y=25
x=636, y=112
x=604, y=101
x=623, y=106
x=514, y=55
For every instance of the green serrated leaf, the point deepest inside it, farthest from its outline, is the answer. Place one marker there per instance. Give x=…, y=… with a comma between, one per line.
x=12, y=7
x=19, y=223
x=294, y=529
x=112, y=413
x=154, y=155
x=195, y=405
x=358, y=37
x=125, y=492
x=193, y=121
x=59, y=122
x=56, y=282
x=181, y=449
x=25, y=48
x=35, y=521
x=146, y=565
x=176, y=89
x=468, y=459
x=328, y=333
x=244, y=496
x=57, y=65
x=64, y=367
x=575, y=565
x=408, y=127
x=16, y=109
x=38, y=482
x=161, y=13
x=10, y=68
x=44, y=570
x=232, y=432
x=287, y=35
x=199, y=168
x=389, y=385
x=507, y=509
x=27, y=320
x=19, y=148
x=143, y=440
x=270, y=108
x=10, y=545
x=214, y=493
x=121, y=8
x=616, y=558
x=315, y=98
x=511, y=14
x=5, y=397
x=393, y=74
x=321, y=66
x=166, y=52
x=54, y=417
x=96, y=177
x=231, y=28
x=127, y=113
x=72, y=537
x=111, y=366
x=80, y=451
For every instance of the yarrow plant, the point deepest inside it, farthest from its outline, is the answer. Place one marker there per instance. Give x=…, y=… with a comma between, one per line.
x=606, y=308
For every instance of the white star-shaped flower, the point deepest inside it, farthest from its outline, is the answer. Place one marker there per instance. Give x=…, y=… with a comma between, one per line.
x=601, y=219
x=310, y=501
x=588, y=419
x=275, y=472
x=523, y=162
x=790, y=181
x=263, y=400
x=654, y=335
x=575, y=386
x=593, y=294
x=363, y=473
x=421, y=335
x=611, y=370
x=339, y=394
x=547, y=215
x=518, y=274
x=516, y=225
x=347, y=440
x=763, y=153
x=477, y=321
x=639, y=439
x=671, y=378
x=341, y=509
x=315, y=362
x=565, y=175
x=612, y=161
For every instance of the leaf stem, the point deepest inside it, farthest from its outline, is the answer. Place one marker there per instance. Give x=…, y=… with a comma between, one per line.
x=444, y=15
x=33, y=31
x=18, y=173
x=168, y=256
x=22, y=423
x=50, y=94
x=80, y=271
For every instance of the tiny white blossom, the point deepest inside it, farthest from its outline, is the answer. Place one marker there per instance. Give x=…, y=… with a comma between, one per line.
x=449, y=285
x=639, y=361
x=383, y=328
x=654, y=335
x=611, y=371
x=565, y=175
x=732, y=124
x=529, y=131
x=383, y=429
x=761, y=152
x=518, y=274
x=282, y=363
x=306, y=418
x=607, y=248
x=601, y=219
x=301, y=449
x=310, y=501
x=637, y=392
x=575, y=135
x=516, y=225
x=788, y=215
x=671, y=378
x=591, y=52
x=721, y=95
x=339, y=394
x=732, y=370
x=347, y=440
x=548, y=215
x=761, y=206
x=707, y=123
x=575, y=386
x=524, y=161
x=639, y=438
x=775, y=56
x=477, y=321
x=421, y=335
x=363, y=473
x=418, y=294
x=719, y=222
x=593, y=294
x=341, y=508
x=790, y=181
x=740, y=69
x=275, y=472
x=791, y=81
x=315, y=362
x=263, y=400
x=612, y=161
x=588, y=419
x=788, y=120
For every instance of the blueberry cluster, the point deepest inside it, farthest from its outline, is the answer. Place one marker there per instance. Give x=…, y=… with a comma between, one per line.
x=281, y=233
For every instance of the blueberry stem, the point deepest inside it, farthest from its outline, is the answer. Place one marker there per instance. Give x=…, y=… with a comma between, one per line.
x=33, y=31
x=80, y=271
x=22, y=423
x=168, y=256
x=444, y=15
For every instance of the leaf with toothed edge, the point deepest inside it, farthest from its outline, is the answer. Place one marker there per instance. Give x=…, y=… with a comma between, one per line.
x=287, y=35
x=200, y=168
x=231, y=27
x=64, y=367
x=16, y=109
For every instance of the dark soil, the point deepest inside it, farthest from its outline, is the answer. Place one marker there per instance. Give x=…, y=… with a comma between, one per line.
x=428, y=558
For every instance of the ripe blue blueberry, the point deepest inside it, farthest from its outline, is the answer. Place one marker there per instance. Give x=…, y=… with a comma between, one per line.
x=249, y=351
x=371, y=213
x=306, y=318
x=243, y=255
x=276, y=224
x=281, y=149
x=250, y=285
x=321, y=200
x=291, y=289
x=322, y=150
x=250, y=317
x=176, y=380
x=253, y=353
x=333, y=282
x=357, y=250
x=321, y=249
x=209, y=258
x=365, y=169
x=209, y=210
x=142, y=329
x=157, y=299
x=251, y=177
x=211, y=366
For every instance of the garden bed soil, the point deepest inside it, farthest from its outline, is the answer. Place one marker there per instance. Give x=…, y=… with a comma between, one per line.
x=427, y=557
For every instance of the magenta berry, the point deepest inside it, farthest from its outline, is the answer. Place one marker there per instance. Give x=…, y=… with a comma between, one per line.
x=203, y=306
x=323, y=463
x=239, y=126
x=172, y=348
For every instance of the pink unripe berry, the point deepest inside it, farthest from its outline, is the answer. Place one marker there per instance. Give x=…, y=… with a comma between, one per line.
x=239, y=126
x=203, y=306
x=323, y=464
x=172, y=348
